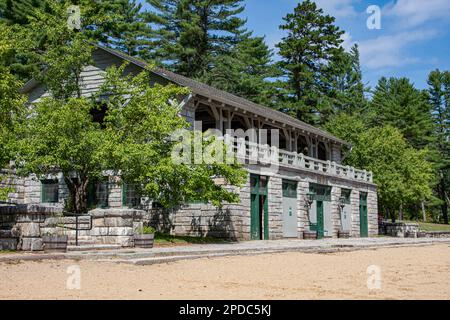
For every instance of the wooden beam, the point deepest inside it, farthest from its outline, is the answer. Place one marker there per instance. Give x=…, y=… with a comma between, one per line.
x=215, y=112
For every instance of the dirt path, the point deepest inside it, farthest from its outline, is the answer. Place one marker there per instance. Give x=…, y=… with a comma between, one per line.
x=406, y=273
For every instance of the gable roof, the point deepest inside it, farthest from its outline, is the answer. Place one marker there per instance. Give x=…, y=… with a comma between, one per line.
x=220, y=96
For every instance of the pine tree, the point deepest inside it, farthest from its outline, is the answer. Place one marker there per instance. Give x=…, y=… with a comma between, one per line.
x=191, y=34
x=19, y=11
x=344, y=86
x=312, y=41
x=116, y=23
x=398, y=103
x=439, y=93
x=244, y=71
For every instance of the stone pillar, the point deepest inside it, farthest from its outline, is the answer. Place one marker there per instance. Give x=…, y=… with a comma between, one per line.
x=302, y=191
x=275, y=198
x=354, y=217
x=245, y=219
x=372, y=212
x=335, y=210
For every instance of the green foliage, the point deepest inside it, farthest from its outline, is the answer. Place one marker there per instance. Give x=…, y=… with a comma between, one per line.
x=311, y=43
x=11, y=101
x=139, y=144
x=19, y=11
x=343, y=85
x=397, y=103
x=114, y=23
x=403, y=175
x=439, y=97
x=190, y=34
x=244, y=71
x=147, y=230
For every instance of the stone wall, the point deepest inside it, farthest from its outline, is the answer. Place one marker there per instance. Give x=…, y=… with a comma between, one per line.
x=399, y=229
x=100, y=226
x=235, y=220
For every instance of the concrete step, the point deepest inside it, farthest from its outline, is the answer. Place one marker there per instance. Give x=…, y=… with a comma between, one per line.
x=93, y=247
x=81, y=240
x=169, y=259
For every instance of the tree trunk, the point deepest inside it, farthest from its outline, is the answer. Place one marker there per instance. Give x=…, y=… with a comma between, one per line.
x=443, y=197
x=424, y=213
x=78, y=194
x=400, y=213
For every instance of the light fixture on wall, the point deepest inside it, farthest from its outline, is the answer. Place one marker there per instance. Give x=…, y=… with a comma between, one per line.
x=342, y=200
x=309, y=199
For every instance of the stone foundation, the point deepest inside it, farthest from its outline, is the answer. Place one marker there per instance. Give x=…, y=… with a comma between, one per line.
x=399, y=229
x=100, y=226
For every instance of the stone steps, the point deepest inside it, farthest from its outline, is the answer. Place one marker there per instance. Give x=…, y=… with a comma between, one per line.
x=93, y=247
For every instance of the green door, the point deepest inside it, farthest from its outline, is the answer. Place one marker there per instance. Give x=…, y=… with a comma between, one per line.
x=364, y=226
x=320, y=233
x=259, y=211
x=255, y=218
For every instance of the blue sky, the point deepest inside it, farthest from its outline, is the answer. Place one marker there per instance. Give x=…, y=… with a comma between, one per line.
x=413, y=40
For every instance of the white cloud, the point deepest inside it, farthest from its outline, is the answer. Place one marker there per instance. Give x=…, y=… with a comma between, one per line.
x=388, y=51
x=413, y=13
x=338, y=8
x=348, y=41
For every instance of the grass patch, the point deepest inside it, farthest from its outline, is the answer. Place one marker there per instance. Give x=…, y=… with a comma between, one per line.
x=7, y=251
x=434, y=227
x=168, y=239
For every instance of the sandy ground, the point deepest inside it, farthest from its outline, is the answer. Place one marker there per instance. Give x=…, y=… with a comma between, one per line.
x=406, y=273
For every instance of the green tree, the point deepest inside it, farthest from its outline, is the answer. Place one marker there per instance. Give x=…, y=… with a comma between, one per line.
x=398, y=103
x=19, y=11
x=116, y=23
x=11, y=104
x=403, y=175
x=343, y=85
x=190, y=34
x=62, y=133
x=439, y=94
x=245, y=71
x=312, y=41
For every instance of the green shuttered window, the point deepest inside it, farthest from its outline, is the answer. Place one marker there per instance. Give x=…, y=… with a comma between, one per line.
x=98, y=195
x=130, y=195
x=49, y=191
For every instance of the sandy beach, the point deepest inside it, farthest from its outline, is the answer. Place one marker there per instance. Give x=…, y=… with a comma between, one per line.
x=406, y=273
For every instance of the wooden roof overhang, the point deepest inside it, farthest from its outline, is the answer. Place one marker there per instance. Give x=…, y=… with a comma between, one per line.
x=228, y=100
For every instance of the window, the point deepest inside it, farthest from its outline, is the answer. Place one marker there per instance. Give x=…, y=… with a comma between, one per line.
x=345, y=194
x=363, y=198
x=321, y=192
x=258, y=184
x=289, y=189
x=130, y=195
x=98, y=195
x=49, y=191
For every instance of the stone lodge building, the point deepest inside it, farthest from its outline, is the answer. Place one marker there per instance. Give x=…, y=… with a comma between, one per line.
x=309, y=190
